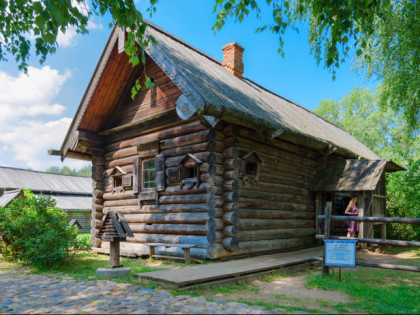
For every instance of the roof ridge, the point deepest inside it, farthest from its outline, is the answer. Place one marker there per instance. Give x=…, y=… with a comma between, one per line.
x=161, y=30
x=181, y=41
x=42, y=172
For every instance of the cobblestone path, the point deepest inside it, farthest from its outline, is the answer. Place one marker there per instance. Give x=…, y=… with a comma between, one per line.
x=21, y=292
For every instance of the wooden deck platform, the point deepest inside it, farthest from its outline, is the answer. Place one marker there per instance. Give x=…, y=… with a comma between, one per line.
x=230, y=271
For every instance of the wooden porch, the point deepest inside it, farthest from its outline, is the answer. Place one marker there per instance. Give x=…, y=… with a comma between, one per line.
x=224, y=272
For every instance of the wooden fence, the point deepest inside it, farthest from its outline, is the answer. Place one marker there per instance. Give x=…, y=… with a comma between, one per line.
x=328, y=218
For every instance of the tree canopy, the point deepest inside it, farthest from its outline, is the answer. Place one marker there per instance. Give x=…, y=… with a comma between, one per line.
x=84, y=171
x=384, y=132
x=382, y=35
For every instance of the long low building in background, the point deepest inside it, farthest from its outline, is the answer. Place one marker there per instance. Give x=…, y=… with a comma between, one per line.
x=72, y=193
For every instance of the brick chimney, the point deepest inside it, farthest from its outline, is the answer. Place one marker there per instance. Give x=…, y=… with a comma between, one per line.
x=232, y=59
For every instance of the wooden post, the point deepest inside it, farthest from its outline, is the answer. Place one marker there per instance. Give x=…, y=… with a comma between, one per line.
x=187, y=255
x=326, y=269
x=362, y=213
x=383, y=231
x=114, y=254
x=318, y=208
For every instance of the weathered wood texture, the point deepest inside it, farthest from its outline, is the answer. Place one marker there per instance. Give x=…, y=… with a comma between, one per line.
x=274, y=211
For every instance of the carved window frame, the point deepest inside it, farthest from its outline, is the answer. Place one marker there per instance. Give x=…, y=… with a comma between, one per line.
x=245, y=170
x=189, y=182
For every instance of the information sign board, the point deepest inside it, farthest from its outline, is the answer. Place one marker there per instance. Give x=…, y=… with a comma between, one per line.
x=341, y=253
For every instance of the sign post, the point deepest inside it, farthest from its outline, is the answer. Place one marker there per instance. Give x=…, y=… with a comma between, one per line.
x=340, y=253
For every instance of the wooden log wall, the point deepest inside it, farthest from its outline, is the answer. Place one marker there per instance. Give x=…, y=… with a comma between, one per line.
x=276, y=211
x=180, y=215
x=97, y=198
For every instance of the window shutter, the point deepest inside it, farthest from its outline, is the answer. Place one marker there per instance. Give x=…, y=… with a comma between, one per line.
x=160, y=172
x=126, y=180
x=136, y=177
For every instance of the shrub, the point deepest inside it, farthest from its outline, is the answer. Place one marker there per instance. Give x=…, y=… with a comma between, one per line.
x=35, y=231
x=403, y=198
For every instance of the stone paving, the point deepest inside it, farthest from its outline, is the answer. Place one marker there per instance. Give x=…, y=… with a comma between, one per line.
x=21, y=292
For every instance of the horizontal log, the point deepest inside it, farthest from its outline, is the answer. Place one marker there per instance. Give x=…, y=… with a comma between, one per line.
x=175, y=218
x=283, y=171
x=214, y=180
x=276, y=214
x=120, y=162
x=121, y=203
x=231, y=243
x=231, y=218
x=230, y=230
x=200, y=198
x=252, y=137
x=272, y=205
x=272, y=187
x=292, y=162
x=258, y=224
x=270, y=234
x=374, y=240
x=97, y=223
x=231, y=175
x=381, y=265
x=276, y=244
x=232, y=164
x=211, y=146
x=188, y=139
x=125, y=210
x=371, y=219
x=230, y=152
x=176, y=131
x=168, y=238
x=121, y=153
x=129, y=194
x=176, y=190
x=272, y=196
x=180, y=229
x=277, y=179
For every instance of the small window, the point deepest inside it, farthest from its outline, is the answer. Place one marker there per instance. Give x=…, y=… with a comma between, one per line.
x=117, y=181
x=149, y=172
x=251, y=168
x=189, y=172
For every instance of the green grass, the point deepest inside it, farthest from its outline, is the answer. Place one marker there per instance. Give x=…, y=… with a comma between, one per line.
x=374, y=290
x=286, y=308
x=84, y=265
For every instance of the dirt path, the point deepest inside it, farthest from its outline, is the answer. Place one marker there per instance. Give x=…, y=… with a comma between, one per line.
x=291, y=291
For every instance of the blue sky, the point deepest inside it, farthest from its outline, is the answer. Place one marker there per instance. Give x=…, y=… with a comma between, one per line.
x=36, y=110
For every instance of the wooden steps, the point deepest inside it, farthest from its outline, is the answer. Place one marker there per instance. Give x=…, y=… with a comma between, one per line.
x=230, y=271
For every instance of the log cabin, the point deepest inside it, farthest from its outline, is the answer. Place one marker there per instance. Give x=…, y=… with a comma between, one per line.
x=71, y=193
x=206, y=156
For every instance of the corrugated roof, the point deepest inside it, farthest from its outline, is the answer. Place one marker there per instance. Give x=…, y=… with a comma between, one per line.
x=13, y=178
x=241, y=100
x=350, y=175
x=8, y=196
x=73, y=202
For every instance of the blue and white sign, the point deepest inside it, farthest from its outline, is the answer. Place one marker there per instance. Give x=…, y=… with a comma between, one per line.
x=341, y=253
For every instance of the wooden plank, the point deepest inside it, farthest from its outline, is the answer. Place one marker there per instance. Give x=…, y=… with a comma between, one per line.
x=205, y=273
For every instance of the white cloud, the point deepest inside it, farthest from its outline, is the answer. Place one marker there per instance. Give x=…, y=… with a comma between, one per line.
x=26, y=129
x=67, y=39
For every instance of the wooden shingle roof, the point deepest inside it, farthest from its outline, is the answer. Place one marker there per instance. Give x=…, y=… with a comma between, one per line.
x=216, y=93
